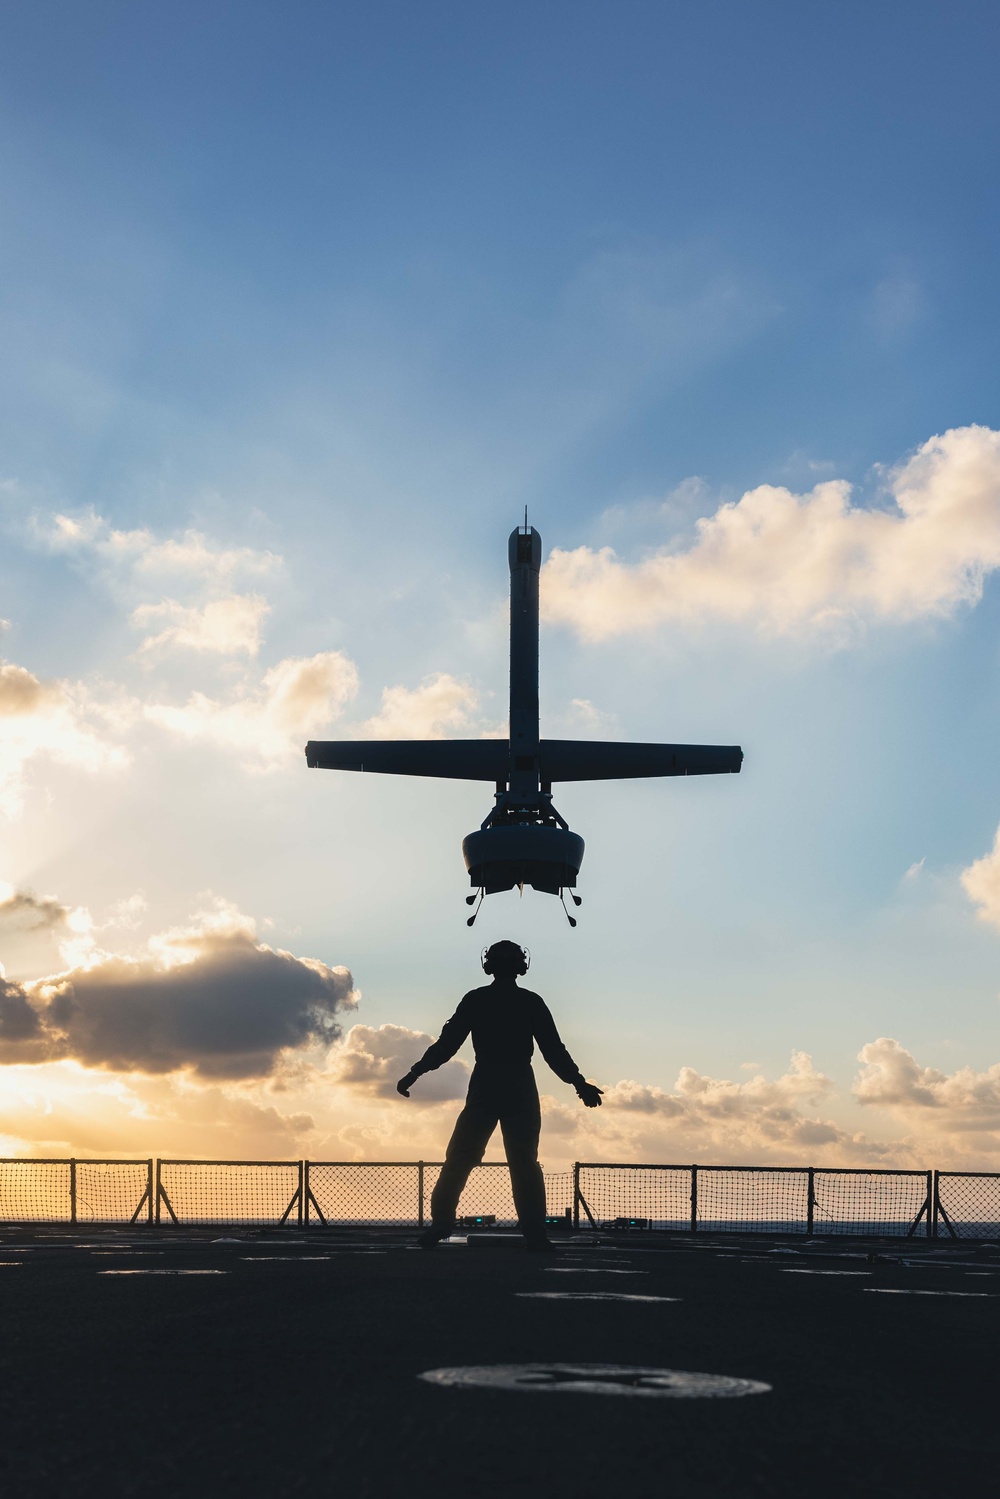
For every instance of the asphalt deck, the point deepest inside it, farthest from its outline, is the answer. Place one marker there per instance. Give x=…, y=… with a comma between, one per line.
x=295, y=1368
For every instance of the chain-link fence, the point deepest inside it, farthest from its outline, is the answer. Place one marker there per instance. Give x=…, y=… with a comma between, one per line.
x=70, y=1191
x=696, y=1199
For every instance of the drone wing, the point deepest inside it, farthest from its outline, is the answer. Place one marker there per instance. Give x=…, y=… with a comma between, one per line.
x=453, y=759
x=488, y=759
x=593, y=760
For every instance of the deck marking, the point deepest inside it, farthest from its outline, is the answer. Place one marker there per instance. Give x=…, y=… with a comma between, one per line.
x=796, y=1271
x=597, y=1379
x=590, y=1270
x=162, y=1272
x=912, y=1291
x=591, y=1296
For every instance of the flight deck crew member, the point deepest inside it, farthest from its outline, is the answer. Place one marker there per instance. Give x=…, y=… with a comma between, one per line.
x=504, y=1022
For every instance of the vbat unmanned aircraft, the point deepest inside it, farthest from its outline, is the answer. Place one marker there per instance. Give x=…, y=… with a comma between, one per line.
x=523, y=841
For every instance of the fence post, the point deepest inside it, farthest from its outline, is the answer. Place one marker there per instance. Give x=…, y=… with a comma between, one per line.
x=149, y=1189
x=303, y=1178
x=576, y=1196
x=157, y=1213
x=72, y=1191
x=930, y=1200
x=694, y=1199
x=937, y=1201
x=420, y=1194
x=810, y=1201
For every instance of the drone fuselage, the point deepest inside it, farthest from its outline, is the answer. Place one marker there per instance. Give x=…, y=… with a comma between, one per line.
x=524, y=840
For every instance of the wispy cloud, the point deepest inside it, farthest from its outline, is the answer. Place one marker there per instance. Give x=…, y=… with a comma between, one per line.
x=140, y=551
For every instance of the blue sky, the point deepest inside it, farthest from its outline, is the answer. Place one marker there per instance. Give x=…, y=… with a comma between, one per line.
x=339, y=289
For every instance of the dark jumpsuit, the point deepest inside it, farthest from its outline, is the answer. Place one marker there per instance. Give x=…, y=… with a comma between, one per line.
x=504, y=1021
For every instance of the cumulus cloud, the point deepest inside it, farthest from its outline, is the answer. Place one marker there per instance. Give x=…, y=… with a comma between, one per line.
x=19, y=1021
x=440, y=706
x=208, y=997
x=62, y=721
x=229, y=626
x=702, y=1118
x=891, y=1077
x=372, y=1059
x=760, y=1120
x=292, y=701
x=781, y=561
x=981, y=883
x=39, y=932
x=950, y=1117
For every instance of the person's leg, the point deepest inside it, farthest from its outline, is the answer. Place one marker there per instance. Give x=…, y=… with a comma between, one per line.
x=466, y=1148
x=521, y=1123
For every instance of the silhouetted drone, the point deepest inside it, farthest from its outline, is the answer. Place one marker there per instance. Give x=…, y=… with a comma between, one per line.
x=523, y=841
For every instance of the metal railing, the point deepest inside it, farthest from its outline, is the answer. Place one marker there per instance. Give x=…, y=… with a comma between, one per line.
x=810, y=1200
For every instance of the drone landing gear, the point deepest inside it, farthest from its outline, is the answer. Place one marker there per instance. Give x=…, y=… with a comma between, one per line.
x=577, y=901
x=470, y=900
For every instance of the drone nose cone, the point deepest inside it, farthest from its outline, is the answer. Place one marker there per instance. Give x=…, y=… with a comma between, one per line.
x=524, y=549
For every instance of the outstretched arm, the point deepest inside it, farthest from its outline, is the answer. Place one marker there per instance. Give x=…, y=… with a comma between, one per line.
x=551, y=1046
x=453, y=1033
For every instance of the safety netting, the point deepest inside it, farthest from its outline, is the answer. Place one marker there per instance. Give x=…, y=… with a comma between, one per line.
x=488, y=1192
x=113, y=1191
x=659, y=1194
x=399, y=1192
x=752, y=1199
x=246, y=1192
x=969, y=1204
x=35, y=1191
x=742, y=1199
x=887, y=1203
x=386, y=1192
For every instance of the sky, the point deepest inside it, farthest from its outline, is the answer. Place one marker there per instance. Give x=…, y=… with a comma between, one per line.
x=300, y=306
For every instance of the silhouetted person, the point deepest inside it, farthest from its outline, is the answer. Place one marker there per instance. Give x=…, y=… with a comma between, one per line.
x=504, y=1022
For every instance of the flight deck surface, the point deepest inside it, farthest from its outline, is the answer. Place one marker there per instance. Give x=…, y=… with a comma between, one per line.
x=229, y=1361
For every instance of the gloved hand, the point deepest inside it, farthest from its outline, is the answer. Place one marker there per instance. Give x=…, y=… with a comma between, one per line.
x=590, y=1095
x=405, y=1084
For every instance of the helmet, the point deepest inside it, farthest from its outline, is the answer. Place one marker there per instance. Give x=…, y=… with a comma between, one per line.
x=518, y=954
